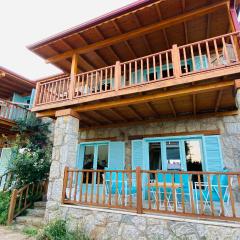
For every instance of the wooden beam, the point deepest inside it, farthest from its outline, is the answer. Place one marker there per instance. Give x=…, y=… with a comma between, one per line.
x=95, y=52
x=144, y=38
x=81, y=58
x=2, y=74
x=156, y=96
x=135, y=112
x=209, y=19
x=152, y=109
x=218, y=101
x=159, y=13
x=141, y=31
x=102, y=116
x=172, y=107
x=97, y=29
x=118, y=114
x=166, y=119
x=194, y=105
x=114, y=22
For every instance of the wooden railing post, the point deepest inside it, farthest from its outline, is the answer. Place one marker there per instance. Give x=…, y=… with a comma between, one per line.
x=12, y=205
x=36, y=99
x=65, y=181
x=117, y=76
x=74, y=71
x=176, y=61
x=139, y=190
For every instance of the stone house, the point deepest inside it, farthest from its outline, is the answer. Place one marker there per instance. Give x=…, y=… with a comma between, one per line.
x=146, y=136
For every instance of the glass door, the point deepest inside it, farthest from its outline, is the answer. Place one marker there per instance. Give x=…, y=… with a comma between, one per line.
x=93, y=157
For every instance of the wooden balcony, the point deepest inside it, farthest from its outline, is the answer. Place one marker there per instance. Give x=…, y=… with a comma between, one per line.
x=207, y=195
x=205, y=70
x=9, y=114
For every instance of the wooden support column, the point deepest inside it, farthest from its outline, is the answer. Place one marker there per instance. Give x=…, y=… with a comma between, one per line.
x=74, y=71
x=117, y=76
x=176, y=61
x=36, y=99
x=139, y=190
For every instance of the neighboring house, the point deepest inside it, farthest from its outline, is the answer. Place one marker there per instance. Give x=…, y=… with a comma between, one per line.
x=16, y=99
x=153, y=85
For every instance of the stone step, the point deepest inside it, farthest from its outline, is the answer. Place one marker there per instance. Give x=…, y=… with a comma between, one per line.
x=30, y=221
x=36, y=212
x=40, y=204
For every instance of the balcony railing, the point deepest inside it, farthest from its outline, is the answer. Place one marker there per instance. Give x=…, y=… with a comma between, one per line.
x=209, y=54
x=12, y=112
x=195, y=194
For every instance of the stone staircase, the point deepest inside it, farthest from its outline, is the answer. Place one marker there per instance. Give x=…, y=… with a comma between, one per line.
x=34, y=217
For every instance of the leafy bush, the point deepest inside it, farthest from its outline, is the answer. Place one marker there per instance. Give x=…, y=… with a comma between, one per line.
x=57, y=230
x=31, y=152
x=4, y=205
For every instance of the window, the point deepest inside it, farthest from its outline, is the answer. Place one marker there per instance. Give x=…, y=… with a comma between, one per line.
x=173, y=155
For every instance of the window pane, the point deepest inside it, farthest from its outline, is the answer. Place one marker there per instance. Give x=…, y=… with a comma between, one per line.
x=155, y=157
x=102, y=161
x=88, y=162
x=193, y=155
x=173, y=155
x=194, y=158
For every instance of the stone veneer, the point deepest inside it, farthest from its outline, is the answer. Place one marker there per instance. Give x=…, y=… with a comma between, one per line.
x=228, y=126
x=103, y=225
x=107, y=225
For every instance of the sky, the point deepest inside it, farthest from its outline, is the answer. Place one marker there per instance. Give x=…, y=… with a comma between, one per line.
x=24, y=22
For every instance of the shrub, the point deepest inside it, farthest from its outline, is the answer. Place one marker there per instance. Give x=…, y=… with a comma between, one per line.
x=31, y=152
x=57, y=230
x=4, y=205
x=30, y=231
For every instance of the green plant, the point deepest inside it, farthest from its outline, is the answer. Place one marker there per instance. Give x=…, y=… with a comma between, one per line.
x=30, y=231
x=31, y=152
x=4, y=205
x=57, y=230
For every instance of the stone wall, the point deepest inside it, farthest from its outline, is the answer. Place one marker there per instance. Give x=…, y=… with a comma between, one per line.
x=107, y=225
x=229, y=127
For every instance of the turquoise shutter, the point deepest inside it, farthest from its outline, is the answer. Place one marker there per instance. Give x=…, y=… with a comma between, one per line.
x=80, y=156
x=213, y=153
x=5, y=159
x=137, y=154
x=116, y=156
x=32, y=98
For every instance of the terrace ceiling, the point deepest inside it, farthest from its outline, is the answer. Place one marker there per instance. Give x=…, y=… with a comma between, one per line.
x=11, y=82
x=137, y=30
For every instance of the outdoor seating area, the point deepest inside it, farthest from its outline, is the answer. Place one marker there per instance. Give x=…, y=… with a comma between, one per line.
x=202, y=194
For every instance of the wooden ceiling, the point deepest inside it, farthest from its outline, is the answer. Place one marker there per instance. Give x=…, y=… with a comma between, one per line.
x=214, y=22
x=11, y=82
x=217, y=98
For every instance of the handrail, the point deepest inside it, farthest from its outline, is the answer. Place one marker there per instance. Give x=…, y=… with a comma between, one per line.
x=22, y=198
x=11, y=103
x=192, y=193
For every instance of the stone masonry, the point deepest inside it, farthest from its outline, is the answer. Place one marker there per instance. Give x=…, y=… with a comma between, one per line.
x=229, y=127
x=107, y=225
x=64, y=154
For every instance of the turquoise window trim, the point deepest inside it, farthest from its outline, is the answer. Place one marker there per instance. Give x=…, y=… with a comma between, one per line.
x=181, y=140
x=80, y=155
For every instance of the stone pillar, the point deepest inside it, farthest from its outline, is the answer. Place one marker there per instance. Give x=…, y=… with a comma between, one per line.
x=64, y=154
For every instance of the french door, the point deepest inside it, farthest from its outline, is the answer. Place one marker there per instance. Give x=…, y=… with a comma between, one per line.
x=92, y=157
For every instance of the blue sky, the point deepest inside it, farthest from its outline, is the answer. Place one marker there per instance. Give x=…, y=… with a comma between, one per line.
x=27, y=21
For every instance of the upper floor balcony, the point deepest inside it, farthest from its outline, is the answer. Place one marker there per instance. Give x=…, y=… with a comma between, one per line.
x=10, y=113
x=214, y=59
